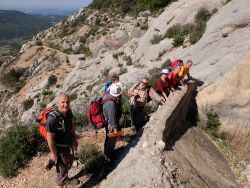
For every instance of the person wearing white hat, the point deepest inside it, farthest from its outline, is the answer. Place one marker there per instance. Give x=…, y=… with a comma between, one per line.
x=112, y=113
x=162, y=83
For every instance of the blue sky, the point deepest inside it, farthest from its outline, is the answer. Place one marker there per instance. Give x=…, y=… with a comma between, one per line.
x=42, y=4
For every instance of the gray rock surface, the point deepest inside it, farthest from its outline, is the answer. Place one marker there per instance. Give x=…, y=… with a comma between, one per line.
x=158, y=159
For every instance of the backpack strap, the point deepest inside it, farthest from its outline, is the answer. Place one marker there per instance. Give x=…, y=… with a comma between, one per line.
x=108, y=99
x=58, y=118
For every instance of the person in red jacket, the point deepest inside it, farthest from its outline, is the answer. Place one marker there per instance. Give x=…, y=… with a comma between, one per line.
x=176, y=63
x=161, y=86
x=173, y=78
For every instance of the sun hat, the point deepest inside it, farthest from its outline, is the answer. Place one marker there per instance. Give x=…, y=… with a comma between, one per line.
x=116, y=89
x=165, y=71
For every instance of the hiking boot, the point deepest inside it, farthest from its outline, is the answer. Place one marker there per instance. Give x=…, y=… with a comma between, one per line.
x=72, y=183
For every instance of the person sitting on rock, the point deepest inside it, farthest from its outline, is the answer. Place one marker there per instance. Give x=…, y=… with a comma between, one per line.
x=139, y=94
x=161, y=86
x=176, y=63
x=185, y=71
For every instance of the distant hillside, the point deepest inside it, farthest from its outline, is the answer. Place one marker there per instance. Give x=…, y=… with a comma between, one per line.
x=15, y=24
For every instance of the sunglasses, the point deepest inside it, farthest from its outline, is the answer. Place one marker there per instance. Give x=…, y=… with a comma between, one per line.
x=144, y=83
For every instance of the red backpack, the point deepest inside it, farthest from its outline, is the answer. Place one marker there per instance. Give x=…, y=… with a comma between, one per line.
x=42, y=118
x=95, y=113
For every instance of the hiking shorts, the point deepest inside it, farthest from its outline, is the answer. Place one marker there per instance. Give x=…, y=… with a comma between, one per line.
x=65, y=160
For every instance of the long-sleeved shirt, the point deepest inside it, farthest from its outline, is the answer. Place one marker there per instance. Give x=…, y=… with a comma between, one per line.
x=142, y=95
x=161, y=85
x=173, y=79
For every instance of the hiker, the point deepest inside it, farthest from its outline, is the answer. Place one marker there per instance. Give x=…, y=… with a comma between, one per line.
x=173, y=78
x=185, y=71
x=161, y=86
x=61, y=138
x=176, y=63
x=114, y=79
x=139, y=94
x=112, y=114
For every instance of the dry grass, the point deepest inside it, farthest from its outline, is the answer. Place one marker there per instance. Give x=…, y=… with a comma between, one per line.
x=238, y=136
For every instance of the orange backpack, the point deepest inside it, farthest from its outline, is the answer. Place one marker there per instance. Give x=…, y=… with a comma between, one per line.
x=42, y=118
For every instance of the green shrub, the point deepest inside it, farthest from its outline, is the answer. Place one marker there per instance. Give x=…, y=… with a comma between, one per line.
x=203, y=15
x=120, y=53
x=83, y=40
x=156, y=39
x=97, y=21
x=197, y=32
x=227, y=1
x=105, y=72
x=144, y=27
x=123, y=71
x=213, y=120
x=39, y=43
x=91, y=157
x=73, y=96
x=12, y=76
x=173, y=31
x=129, y=61
x=84, y=50
x=19, y=86
x=27, y=104
x=81, y=119
x=178, y=33
x=154, y=75
x=166, y=64
x=125, y=120
x=178, y=40
x=90, y=87
x=17, y=145
x=47, y=92
x=115, y=56
x=213, y=125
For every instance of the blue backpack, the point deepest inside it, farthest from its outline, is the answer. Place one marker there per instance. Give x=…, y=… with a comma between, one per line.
x=107, y=85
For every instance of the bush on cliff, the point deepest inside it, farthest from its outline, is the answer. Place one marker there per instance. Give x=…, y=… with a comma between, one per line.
x=129, y=6
x=18, y=144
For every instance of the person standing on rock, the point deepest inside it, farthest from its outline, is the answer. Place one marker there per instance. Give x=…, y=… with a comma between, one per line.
x=112, y=114
x=114, y=79
x=139, y=94
x=61, y=138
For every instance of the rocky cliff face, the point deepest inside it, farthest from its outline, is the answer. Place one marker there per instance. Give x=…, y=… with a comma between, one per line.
x=85, y=49
x=161, y=159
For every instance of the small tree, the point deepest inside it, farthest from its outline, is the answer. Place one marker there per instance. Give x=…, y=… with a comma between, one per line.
x=27, y=104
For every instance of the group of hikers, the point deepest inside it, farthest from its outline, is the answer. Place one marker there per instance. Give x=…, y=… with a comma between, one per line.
x=61, y=134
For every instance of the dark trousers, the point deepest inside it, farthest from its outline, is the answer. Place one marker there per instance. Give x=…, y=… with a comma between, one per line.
x=137, y=116
x=109, y=143
x=65, y=160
